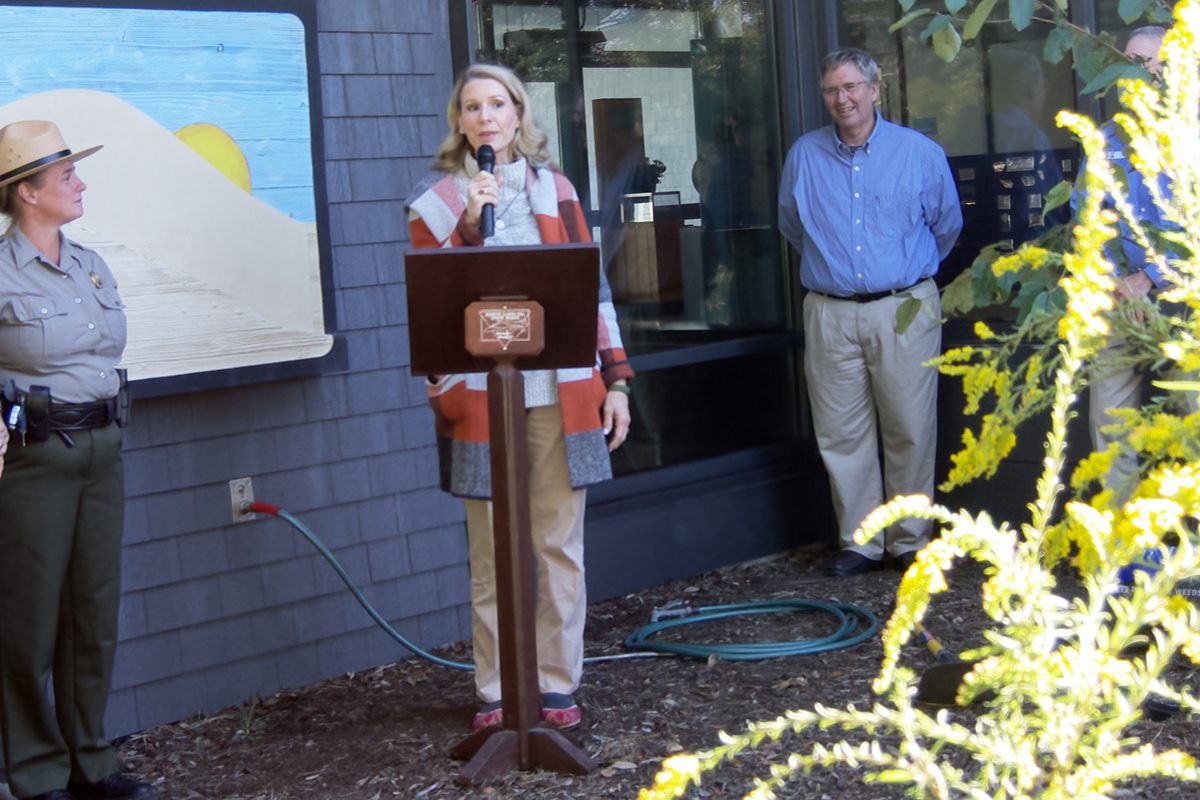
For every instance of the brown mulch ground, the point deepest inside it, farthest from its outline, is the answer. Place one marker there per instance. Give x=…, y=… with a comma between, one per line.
x=386, y=733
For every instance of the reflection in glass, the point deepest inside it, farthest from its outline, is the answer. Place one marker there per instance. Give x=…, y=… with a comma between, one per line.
x=708, y=409
x=664, y=116
x=682, y=152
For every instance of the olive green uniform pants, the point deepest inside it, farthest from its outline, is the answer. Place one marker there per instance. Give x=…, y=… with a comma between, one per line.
x=61, y=517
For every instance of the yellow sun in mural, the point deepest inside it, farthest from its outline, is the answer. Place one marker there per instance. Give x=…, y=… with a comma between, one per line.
x=219, y=149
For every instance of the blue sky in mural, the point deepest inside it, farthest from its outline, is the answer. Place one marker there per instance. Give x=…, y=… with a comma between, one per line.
x=245, y=72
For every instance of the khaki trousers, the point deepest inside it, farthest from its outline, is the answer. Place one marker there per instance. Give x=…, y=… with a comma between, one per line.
x=867, y=387
x=1119, y=388
x=1109, y=389
x=61, y=517
x=557, y=538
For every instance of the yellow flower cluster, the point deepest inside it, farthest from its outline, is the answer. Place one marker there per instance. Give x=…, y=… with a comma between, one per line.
x=982, y=456
x=673, y=779
x=1167, y=436
x=902, y=507
x=1027, y=257
x=1094, y=467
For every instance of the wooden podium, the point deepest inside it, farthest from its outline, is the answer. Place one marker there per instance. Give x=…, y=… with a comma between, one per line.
x=500, y=310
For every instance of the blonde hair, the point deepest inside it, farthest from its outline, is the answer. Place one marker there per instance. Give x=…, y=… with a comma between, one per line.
x=529, y=143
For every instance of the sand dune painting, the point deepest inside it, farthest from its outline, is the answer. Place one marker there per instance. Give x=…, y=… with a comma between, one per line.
x=201, y=205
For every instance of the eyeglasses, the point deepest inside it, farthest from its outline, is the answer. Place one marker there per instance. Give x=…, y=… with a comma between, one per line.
x=830, y=92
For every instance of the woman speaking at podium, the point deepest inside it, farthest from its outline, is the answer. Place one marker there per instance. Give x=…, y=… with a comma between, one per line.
x=575, y=416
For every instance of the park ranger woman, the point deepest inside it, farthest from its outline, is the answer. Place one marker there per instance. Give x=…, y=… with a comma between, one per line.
x=62, y=332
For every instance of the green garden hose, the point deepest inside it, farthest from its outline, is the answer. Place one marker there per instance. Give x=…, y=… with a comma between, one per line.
x=855, y=623
x=276, y=511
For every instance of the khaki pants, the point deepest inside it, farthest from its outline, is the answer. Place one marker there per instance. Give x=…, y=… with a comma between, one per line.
x=557, y=540
x=61, y=517
x=1119, y=388
x=866, y=386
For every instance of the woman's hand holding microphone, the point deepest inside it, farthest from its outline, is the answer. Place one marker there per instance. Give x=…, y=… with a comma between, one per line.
x=484, y=189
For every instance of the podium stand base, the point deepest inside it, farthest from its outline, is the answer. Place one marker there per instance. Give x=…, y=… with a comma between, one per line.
x=495, y=751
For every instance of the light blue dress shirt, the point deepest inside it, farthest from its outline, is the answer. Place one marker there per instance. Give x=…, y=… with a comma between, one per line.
x=1132, y=257
x=871, y=219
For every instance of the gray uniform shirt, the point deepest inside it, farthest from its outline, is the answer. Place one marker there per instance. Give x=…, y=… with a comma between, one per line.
x=60, y=326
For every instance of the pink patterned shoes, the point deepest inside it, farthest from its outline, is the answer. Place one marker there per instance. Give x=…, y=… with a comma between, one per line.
x=559, y=711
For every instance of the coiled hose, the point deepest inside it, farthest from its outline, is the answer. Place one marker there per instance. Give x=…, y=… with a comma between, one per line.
x=855, y=623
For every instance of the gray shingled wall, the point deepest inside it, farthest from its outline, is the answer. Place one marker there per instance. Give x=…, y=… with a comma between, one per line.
x=213, y=612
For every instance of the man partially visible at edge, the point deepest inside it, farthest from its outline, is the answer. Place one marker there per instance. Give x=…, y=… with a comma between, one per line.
x=1114, y=385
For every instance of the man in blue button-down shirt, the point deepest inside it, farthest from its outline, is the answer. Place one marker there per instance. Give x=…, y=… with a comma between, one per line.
x=1135, y=278
x=873, y=210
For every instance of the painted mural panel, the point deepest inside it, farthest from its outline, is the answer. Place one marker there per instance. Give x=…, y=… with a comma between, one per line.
x=202, y=200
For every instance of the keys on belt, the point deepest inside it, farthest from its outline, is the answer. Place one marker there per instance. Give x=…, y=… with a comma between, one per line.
x=14, y=419
x=33, y=415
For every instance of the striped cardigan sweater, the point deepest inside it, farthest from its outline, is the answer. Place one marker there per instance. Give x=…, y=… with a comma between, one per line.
x=459, y=402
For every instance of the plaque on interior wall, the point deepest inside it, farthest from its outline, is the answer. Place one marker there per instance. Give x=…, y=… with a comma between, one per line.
x=1007, y=184
x=997, y=166
x=1035, y=220
x=1006, y=222
x=1034, y=200
x=1006, y=244
x=1067, y=165
x=1028, y=181
x=1003, y=201
x=1018, y=164
x=966, y=173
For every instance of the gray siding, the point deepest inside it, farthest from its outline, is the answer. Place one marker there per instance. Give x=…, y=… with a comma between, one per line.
x=213, y=612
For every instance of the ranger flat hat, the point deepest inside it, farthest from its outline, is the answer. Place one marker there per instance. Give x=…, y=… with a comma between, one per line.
x=30, y=146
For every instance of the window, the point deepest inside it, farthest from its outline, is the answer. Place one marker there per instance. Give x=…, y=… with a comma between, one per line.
x=663, y=113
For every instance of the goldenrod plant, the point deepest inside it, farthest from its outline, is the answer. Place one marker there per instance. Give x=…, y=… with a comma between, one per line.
x=1004, y=374
x=1061, y=678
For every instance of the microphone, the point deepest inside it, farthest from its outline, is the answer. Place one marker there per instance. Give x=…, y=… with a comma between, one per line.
x=486, y=157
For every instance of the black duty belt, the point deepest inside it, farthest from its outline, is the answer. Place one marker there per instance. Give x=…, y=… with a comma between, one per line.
x=869, y=297
x=77, y=417
x=32, y=415
x=72, y=416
